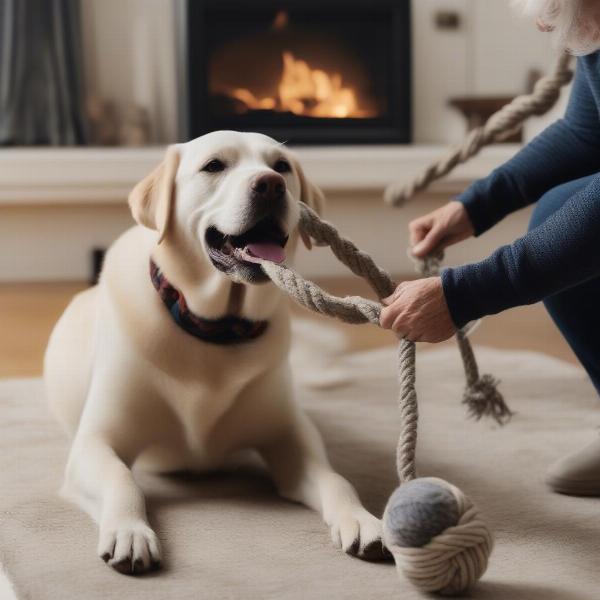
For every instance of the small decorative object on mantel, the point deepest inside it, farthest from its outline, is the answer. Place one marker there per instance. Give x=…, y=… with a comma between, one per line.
x=135, y=130
x=102, y=121
x=478, y=109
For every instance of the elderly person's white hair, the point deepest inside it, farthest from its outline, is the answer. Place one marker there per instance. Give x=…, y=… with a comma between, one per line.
x=575, y=24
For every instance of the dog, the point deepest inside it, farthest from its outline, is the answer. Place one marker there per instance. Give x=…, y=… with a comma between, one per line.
x=178, y=358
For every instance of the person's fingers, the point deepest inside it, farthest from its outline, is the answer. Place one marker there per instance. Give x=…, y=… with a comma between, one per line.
x=418, y=230
x=395, y=295
x=388, y=316
x=392, y=298
x=399, y=326
x=430, y=243
x=389, y=299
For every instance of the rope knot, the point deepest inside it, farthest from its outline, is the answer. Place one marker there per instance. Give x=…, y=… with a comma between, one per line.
x=483, y=399
x=430, y=265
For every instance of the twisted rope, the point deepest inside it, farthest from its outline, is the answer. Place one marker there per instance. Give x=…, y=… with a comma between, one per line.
x=456, y=558
x=406, y=463
x=481, y=394
x=356, y=310
x=499, y=127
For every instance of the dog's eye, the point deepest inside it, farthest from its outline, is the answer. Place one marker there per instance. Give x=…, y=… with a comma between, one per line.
x=214, y=166
x=282, y=166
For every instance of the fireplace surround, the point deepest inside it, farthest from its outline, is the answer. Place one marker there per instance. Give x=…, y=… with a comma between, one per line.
x=301, y=71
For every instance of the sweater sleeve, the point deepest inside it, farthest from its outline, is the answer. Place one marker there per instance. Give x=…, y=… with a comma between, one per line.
x=560, y=253
x=567, y=150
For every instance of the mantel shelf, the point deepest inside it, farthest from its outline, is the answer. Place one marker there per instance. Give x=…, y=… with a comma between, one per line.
x=95, y=176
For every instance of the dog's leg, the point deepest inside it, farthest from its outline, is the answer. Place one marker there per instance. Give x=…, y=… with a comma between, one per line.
x=101, y=482
x=299, y=466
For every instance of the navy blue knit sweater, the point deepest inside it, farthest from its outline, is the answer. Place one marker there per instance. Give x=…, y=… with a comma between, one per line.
x=565, y=249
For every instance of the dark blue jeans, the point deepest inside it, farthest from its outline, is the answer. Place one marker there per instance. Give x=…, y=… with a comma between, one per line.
x=576, y=311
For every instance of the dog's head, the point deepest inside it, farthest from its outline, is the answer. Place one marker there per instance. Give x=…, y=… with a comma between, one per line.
x=234, y=197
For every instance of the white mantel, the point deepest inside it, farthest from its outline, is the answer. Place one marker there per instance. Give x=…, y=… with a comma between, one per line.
x=58, y=204
x=100, y=176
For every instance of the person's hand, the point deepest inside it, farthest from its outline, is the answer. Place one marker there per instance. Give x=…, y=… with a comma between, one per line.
x=439, y=229
x=417, y=311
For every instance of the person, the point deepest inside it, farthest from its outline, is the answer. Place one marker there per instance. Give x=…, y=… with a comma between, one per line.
x=557, y=261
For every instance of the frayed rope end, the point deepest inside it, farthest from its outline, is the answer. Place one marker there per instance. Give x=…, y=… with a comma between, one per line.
x=396, y=195
x=483, y=399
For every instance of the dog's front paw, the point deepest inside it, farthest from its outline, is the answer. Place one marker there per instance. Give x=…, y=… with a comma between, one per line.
x=130, y=548
x=360, y=534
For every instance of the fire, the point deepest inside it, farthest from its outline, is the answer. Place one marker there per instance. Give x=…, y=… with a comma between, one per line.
x=306, y=92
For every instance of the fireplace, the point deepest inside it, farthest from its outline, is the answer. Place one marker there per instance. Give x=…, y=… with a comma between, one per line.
x=302, y=71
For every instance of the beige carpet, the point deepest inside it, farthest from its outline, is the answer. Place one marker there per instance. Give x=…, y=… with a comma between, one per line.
x=230, y=537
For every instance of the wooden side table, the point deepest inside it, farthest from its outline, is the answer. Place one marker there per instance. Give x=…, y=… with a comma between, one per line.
x=478, y=109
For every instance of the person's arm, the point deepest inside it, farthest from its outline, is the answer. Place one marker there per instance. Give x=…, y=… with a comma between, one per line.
x=567, y=150
x=562, y=252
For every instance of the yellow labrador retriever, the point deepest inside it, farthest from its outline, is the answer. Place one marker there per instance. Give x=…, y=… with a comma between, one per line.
x=178, y=358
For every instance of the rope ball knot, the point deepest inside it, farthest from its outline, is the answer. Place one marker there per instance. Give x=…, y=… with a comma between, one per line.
x=439, y=541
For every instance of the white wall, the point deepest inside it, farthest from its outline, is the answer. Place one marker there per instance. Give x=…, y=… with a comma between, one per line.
x=130, y=56
x=54, y=243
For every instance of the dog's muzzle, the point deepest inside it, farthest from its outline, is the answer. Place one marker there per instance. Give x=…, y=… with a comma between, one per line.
x=265, y=238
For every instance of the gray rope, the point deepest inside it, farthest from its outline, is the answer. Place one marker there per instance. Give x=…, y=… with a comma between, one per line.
x=355, y=309
x=351, y=309
x=499, y=127
x=481, y=394
x=359, y=262
x=406, y=461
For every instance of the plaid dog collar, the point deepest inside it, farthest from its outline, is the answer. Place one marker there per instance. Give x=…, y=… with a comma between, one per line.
x=225, y=331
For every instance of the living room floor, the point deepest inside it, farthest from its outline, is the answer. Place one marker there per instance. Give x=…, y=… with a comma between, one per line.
x=29, y=311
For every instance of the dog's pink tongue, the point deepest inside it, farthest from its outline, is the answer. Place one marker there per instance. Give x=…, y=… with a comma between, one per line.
x=267, y=251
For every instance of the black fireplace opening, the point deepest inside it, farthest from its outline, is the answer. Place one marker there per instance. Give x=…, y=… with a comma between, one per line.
x=309, y=71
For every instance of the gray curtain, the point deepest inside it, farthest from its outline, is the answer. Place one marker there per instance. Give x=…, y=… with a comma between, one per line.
x=41, y=82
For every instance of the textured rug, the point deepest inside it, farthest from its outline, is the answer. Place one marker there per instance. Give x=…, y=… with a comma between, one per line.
x=229, y=536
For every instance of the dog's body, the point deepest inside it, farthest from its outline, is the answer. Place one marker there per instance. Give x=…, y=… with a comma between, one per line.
x=131, y=386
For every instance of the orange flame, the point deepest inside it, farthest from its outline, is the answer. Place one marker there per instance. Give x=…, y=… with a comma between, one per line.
x=307, y=92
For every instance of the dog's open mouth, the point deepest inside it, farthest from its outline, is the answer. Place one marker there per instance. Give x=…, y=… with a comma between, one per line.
x=241, y=254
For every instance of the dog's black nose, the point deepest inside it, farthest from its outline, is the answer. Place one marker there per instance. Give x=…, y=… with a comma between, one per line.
x=269, y=186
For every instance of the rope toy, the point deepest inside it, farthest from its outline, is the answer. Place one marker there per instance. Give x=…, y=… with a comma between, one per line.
x=438, y=539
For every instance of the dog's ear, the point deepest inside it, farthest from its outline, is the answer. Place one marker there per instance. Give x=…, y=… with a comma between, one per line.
x=151, y=200
x=312, y=196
